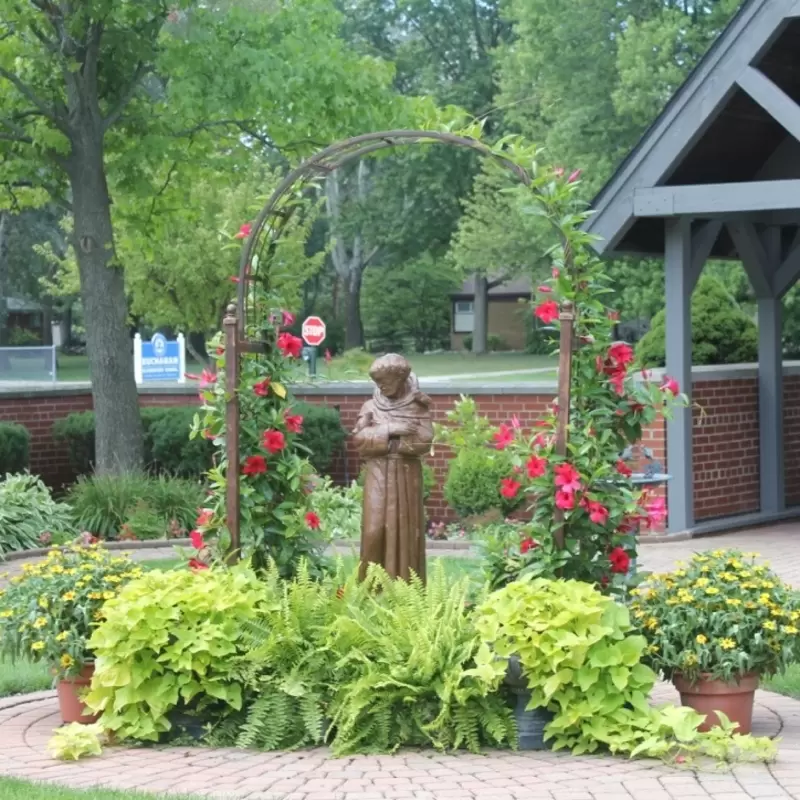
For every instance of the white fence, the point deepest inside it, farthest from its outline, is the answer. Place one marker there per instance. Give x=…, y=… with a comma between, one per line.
x=28, y=364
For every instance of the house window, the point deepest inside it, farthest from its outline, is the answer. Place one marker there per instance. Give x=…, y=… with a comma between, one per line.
x=463, y=316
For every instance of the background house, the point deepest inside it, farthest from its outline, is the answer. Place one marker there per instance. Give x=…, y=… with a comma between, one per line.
x=507, y=317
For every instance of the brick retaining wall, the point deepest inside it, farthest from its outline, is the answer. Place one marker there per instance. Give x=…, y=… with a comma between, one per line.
x=726, y=437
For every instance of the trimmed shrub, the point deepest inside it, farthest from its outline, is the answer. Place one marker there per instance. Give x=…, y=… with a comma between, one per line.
x=15, y=443
x=721, y=332
x=168, y=450
x=143, y=504
x=77, y=430
x=473, y=482
x=167, y=446
x=322, y=434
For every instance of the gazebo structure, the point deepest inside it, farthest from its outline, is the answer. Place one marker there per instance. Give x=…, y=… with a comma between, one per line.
x=718, y=176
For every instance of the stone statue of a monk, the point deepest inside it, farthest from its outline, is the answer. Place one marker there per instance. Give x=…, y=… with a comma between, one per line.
x=393, y=431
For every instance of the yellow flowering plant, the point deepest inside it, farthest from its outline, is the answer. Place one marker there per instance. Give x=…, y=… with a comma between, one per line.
x=48, y=612
x=722, y=615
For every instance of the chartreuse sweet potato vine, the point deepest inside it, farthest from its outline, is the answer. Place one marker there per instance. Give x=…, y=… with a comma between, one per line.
x=584, y=665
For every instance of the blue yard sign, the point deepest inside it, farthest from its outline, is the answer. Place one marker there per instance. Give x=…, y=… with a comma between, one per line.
x=159, y=359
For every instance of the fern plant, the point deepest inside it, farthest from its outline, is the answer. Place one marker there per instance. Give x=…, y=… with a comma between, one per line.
x=287, y=671
x=410, y=670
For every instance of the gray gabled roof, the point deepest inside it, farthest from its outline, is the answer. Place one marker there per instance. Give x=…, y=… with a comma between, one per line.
x=685, y=145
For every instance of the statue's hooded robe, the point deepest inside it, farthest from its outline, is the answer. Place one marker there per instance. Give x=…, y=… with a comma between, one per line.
x=393, y=524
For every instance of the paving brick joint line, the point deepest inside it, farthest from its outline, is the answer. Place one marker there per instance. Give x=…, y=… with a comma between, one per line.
x=27, y=723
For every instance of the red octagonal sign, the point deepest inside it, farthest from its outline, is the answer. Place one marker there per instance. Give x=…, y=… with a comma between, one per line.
x=313, y=331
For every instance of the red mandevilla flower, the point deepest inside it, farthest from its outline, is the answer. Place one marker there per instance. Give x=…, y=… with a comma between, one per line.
x=274, y=441
x=623, y=469
x=509, y=488
x=621, y=353
x=503, y=437
x=620, y=561
x=536, y=466
x=204, y=517
x=244, y=231
x=670, y=385
x=312, y=520
x=262, y=387
x=598, y=513
x=254, y=465
x=196, y=538
x=547, y=312
x=567, y=478
x=656, y=511
x=195, y=564
x=526, y=545
x=575, y=176
x=544, y=289
x=565, y=500
x=287, y=319
x=289, y=345
x=294, y=423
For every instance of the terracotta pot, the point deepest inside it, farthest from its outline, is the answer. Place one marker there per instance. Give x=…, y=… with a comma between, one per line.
x=734, y=699
x=70, y=704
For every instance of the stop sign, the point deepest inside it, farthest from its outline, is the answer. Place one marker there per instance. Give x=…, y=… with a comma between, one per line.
x=313, y=331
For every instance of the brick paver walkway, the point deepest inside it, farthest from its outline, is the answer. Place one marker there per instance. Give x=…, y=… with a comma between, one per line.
x=27, y=723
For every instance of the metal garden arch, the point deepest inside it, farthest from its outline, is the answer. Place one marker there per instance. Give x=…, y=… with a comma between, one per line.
x=243, y=316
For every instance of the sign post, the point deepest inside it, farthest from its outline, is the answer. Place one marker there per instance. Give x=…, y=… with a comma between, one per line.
x=159, y=359
x=313, y=332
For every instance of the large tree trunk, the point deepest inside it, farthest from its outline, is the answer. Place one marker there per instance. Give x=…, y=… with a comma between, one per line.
x=108, y=345
x=480, y=315
x=354, y=330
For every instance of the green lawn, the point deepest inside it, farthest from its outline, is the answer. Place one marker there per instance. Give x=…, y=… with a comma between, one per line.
x=73, y=369
x=787, y=683
x=23, y=677
x=437, y=365
x=76, y=368
x=22, y=790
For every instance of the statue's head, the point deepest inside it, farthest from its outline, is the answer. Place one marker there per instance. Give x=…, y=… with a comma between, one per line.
x=390, y=373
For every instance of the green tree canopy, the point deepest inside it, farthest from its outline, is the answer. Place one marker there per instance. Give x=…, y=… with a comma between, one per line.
x=107, y=99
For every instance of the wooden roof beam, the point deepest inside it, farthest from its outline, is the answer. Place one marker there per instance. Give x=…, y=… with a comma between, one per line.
x=772, y=99
x=712, y=199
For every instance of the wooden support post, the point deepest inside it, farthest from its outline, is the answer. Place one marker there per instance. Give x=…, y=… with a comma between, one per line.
x=567, y=320
x=232, y=514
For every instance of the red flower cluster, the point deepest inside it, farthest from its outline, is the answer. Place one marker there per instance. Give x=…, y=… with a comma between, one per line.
x=528, y=544
x=509, y=488
x=536, y=466
x=547, y=312
x=273, y=441
x=294, y=423
x=503, y=437
x=615, y=365
x=568, y=481
x=204, y=517
x=289, y=345
x=254, y=465
x=620, y=561
x=262, y=387
x=206, y=378
x=312, y=520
